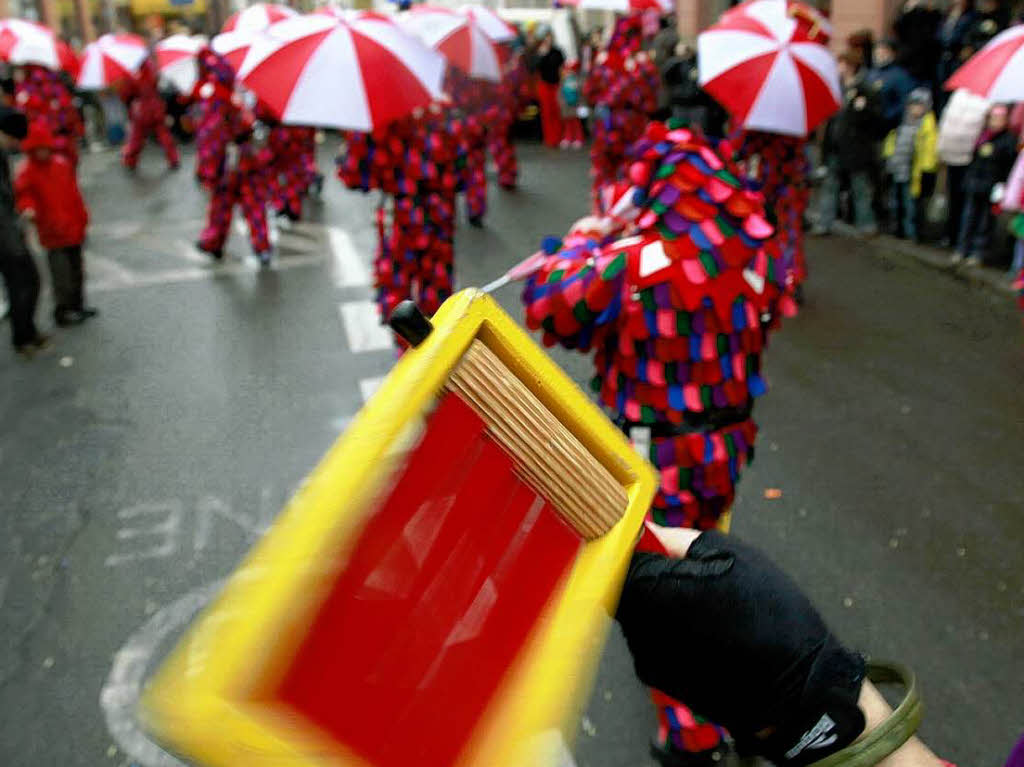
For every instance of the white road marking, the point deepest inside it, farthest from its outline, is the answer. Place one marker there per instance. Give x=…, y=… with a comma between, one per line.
x=193, y=274
x=119, y=697
x=349, y=269
x=190, y=252
x=109, y=271
x=165, y=532
x=368, y=386
x=363, y=328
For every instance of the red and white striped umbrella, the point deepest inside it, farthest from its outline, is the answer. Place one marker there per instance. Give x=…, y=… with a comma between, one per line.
x=996, y=72
x=109, y=59
x=354, y=75
x=769, y=69
x=623, y=6
x=456, y=37
x=334, y=11
x=258, y=17
x=25, y=42
x=811, y=23
x=176, y=60
x=492, y=25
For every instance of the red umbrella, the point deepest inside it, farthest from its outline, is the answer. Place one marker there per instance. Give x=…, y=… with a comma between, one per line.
x=176, y=60
x=457, y=37
x=25, y=42
x=768, y=67
x=996, y=72
x=355, y=75
x=257, y=18
x=110, y=59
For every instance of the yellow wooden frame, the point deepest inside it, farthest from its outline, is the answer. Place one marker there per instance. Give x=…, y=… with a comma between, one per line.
x=206, y=700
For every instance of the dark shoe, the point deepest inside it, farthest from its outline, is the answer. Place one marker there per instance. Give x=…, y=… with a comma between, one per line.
x=667, y=756
x=175, y=166
x=508, y=187
x=214, y=254
x=798, y=294
x=68, y=317
x=476, y=221
x=42, y=342
x=265, y=258
x=89, y=311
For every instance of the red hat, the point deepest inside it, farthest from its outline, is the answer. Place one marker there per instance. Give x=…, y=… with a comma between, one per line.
x=39, y=137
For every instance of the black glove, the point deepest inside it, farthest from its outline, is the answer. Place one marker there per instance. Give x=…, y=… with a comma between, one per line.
x=728, y=633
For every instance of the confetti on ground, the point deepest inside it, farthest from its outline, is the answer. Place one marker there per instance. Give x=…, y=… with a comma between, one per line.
x=961, y=551
x=848, y=602
x=772, y=493
x=48, y=663
x=894, y=543
x=111, y=752
x=588, y=726
x=66, y=362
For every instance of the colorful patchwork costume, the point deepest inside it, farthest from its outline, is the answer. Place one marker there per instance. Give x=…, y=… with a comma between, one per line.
x=418, y=164
x=229, y=163
x=673, y=288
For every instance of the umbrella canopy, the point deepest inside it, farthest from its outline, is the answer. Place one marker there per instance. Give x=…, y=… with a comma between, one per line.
x=109, y=59
x=492, y=25
x=356, y=75
x=456, y=37
x=811, y=23
x=257, y=18
x=176, y=60
x=334, y=11
x=622, y=6
x=769, y=69
x=25, y=42
x=996, y=72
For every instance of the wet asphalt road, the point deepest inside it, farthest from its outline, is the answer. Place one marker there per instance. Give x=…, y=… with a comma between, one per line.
x=143, y=455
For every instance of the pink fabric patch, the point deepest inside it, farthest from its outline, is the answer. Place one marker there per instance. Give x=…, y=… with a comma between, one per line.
x=666, y=319
x=694, y=271
x=691, y=396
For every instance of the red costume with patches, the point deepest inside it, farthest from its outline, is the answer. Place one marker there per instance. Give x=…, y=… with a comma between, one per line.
x=670, y=287
x=148, y=115
x=472, y=98
x=291, y=157
x=622, y=88
x=43, y=97
x=779, y=165
x=510, y=98
x=417, y=162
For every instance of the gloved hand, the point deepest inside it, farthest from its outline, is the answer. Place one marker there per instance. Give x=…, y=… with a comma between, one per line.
x=726, y=632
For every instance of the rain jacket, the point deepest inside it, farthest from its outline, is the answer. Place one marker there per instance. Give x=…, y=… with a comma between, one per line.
x=926, y=156
x=50, y=190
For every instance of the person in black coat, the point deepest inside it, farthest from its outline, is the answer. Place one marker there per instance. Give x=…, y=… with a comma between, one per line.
x=850, y=147
x=915, y=29
x=990, y=19
x=687, y=101
x=994, y=155
x=16, y=265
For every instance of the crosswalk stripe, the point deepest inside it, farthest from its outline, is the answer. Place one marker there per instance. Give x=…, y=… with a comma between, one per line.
x=349, y=269
x=363, y=328
x=368, y=386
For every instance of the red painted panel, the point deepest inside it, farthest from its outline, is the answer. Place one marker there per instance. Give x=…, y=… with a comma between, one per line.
x=446, y=582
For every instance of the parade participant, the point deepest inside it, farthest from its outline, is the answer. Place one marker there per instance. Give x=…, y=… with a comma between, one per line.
x=42, y=96
x=47, y=193
x=471, y=98
x=417, y=164
x=290, y=155
x=512, y=96
x=675, y=314
x=148, y=115
x=244, y=183
x=622, y=89
x=778, y=165
x=228, y=164
x=16, y=265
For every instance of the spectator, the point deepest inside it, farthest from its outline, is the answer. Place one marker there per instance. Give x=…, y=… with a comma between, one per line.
x=990, y=166
x=915, y=29
x=550, y=60
x=891, y=82
x=569, y=99
x=862, y=44
x=16, y=264
x=951, y=35
x=989, y=20
x=849, y=147
x=47, y=192
x=961, y=124
x=911, y=157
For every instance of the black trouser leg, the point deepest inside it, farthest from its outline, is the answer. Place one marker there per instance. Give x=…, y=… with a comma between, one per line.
x=955, y=198
x=22, y=280
x=66, y=270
